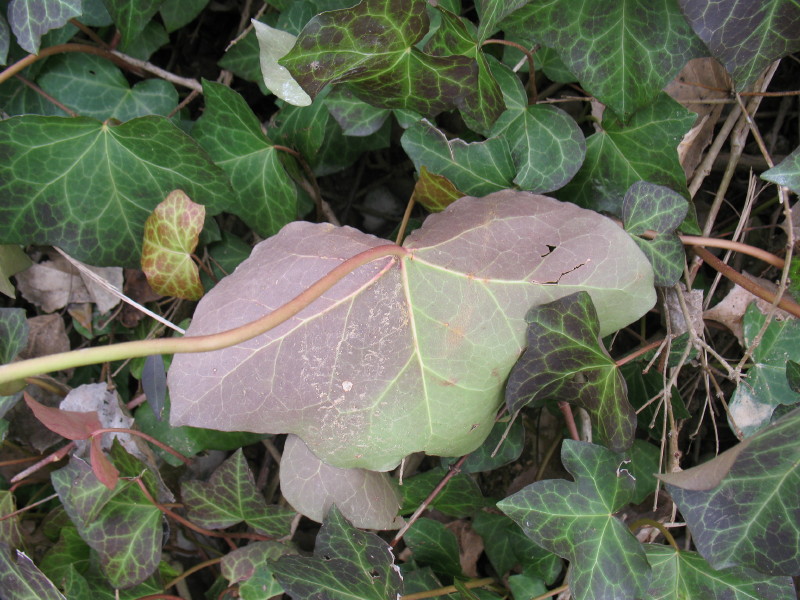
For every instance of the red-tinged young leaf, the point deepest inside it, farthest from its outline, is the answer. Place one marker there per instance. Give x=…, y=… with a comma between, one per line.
x=434, y=192
x=102, y=468
x=347, y=564
x=576, y=521
x=565, y=360
x=69, y=424
x=415, y=336
x=170, y=236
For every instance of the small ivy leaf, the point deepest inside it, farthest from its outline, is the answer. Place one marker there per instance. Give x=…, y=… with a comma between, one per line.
x=31, y=19
x=432, y=544
x=354, y=116
x=273, y=45
x=762, y=529
x=103, y=468
x=504, y=445
x=170, y=236
x=688, y=575
x=10, y=530
x=434, y=192
x=793, y=375
x=565, y=360
x=460, y=497
x=744, y=36
x=12, y=261
x=650, y=206
x=240, y=564
x=66, y=423
x=154, y=383
x=786, y=173
x=131, y=17
x=22, y=579
x=576, y=521
x=13, y=333
x=491, y=12
x=347, y=563
x=230, y=497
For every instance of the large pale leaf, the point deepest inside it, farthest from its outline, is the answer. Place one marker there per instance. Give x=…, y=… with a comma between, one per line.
x=88, y=187
x=576, y=521
x=756, y=500
x=31, y=19
x=372, y=370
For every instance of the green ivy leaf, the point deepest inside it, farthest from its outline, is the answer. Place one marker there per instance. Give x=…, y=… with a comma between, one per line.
x=688, y=575
x=623, y=53
x=761, y=525
x=70, y=551
x=434, y=192
x=170, y=237
x=746, y=37
x=231, y=133
x=177, y=13
x=244, y=563
x=348, y=564
x=13, y=333
x=372, y=47
x=354, y=116
x=766, y=387
x=786, y=173
x=576, y=521
x=491, y=12
x=131, y=17
x=88, y=187
x=504, y=445
x=793, y=375
x=10, y=531
x=644, y=149
x=5, y=40
x=476, y=168
x=565, y=360
x=31, y=19
x=460, y=497
x=432, y=544
x=12, y=261
x=230, y=497
x=20, y=579
x=143, y=46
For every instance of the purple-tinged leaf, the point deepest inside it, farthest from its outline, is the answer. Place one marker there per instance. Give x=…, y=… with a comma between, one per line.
x=371, y=371
x=347, y=564
x=576, y=521
x=434, y=192
x=565, y=360
x=154, y=383
x=241, y=564
x=367, y=499
x=31, y=19
x=20, y=579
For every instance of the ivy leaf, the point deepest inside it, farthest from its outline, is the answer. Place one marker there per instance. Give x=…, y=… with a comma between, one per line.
x=5, y=39
x=20, y=579
x=154, y=383
x=432, y=544
x=746, y=37
x=576, y=521
x=10, y=531
x=491, y=12
x=131, y=17
x=623, y=54
x=753, y=403
x=354, y=116
x=101, y=183
x=177, y=13
x=476, y=168
x=762, y=529
x=348, y=564
x=70, y=551
x=230, y=497
x=565, y=360
x=434, y=192
x=793, y=375
x=448, y=292
x=786, y=173
x=504, y=445
x=644, y=149
x=243, y=564
x=273, y=45
x=31, y=19
x=688, y=575
x=13, y=333
x=372, y=47
x=231, y=133
x=460, y=497
x=648, y=206
x=170, y=237
x=121, y=525
x=12, y=260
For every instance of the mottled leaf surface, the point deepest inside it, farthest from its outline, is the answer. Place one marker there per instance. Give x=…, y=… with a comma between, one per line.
x=230, y=497
x=354, y=116
x=434, y=192
x=31, y=19
x=756, y=502
x=622, y=52
x=10, y=531
x=576, y=521
x=786, y=173
x=88, y=187
x=415, y=335
x=431, y=543
x=348, y=564
x=644, y=149
x=368, y=499
x=241, y=564
x=69, y=552
x=20, y=579
x=746, y=36
x=688, y=575
x=565, y=360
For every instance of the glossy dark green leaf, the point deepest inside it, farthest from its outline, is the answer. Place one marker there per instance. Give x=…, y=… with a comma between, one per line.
x=460, y=497
x=746, y=36
x=491, y=12
x=644, y=149
x=766, y=387
x=16, y=98
x=348, y=564
x=177, y=13
x=231, y=133
x=476, y=168
x=793, y=375
x=432, y=544
x=131, y=17
x=70, y=551
x=786, y=173
x=623, y=53
x=565, y=360
x=504, y=445
x=354, y=116
x=13, y=333
x=144, y=45
x=421, y=580
x=688, y=575
x=230, y=497
x=20, y=579
x=88, y=187
x=31, y=19
x=576, y=521
x=756, y=502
